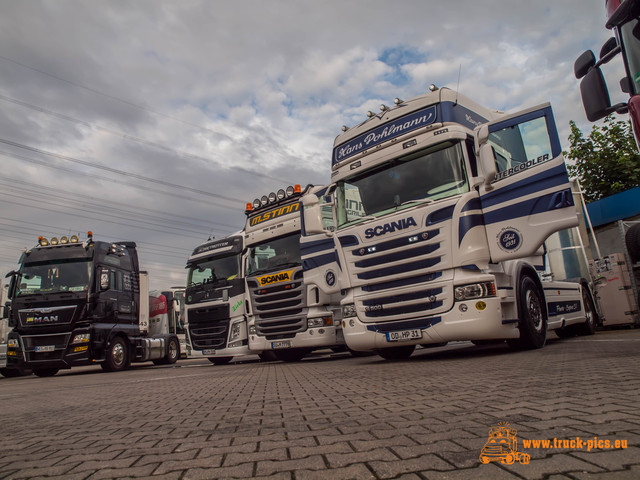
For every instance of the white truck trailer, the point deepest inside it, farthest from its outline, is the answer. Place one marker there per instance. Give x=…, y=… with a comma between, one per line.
x=454, y=202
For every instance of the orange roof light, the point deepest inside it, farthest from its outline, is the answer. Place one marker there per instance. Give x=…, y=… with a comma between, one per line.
x=297, y=189
x=249, y=207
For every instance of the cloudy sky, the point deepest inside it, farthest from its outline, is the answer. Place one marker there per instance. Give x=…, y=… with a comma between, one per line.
x=157, y=120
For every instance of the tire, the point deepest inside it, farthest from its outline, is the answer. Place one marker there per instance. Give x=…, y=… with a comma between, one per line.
x=220, y=360
x=117, y=355
x=396, y=353
x=45, y=372
x=291, y=354
x=532, y=313
x=267, y=356
x=173, y=351
x=632, y=240
x=589, y=326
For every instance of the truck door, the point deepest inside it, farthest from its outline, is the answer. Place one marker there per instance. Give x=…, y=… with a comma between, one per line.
x=526, y=195
x=319, y=258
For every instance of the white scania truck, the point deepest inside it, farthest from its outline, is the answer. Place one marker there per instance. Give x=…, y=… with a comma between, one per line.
x=290, y=313
x=442, y=208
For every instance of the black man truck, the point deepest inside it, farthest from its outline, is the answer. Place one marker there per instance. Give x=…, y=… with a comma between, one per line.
x=82, y=303
x=456, y=202
x=290, y=311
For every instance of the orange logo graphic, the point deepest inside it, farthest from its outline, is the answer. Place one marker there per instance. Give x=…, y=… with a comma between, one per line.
x=502, y=446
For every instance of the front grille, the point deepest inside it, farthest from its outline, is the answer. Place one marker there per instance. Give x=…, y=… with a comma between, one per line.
x=404, y=277
x=280, y=310
x=31, y=343
x=209, y=326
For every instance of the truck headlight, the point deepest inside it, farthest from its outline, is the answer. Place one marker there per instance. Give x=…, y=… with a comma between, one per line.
x=12, y=343
x=235, y=332
x=349, y=310
x=474, y=290
x=252, y=330
x=81, y=338
x=319, y=322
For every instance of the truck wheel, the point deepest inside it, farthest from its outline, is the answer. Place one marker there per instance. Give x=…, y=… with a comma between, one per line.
x=117, y=356
x=291, y=354
x=632, y=239
x=396, y=353
x=532, y=313
x=220, y=360
x=173, y=351
x=45, y=372
x=589, y=326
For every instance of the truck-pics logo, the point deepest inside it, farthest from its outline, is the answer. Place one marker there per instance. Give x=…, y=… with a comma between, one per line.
x=276, y=278
x=390, y=227
x=502, y=446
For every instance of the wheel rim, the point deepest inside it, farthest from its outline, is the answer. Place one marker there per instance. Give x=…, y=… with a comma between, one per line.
x=534, y=310
x=173, y=350
x=117, y=352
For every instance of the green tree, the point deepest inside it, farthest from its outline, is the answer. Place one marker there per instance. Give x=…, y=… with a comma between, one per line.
x=606, y=162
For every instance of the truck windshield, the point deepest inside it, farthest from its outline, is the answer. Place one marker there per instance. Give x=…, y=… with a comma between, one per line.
x=213, y=270
x=274, y=254
x=631, y=51
x=52, y=277
x=431, y=174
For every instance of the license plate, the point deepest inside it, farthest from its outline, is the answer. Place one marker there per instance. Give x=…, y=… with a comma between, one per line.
x=402, y=335
x=45, y=348
x=281, y=344
x=208, y=352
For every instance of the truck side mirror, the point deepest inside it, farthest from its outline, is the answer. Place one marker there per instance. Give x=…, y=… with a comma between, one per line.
x=584, y=63
x=311, y=215
x=104, y=280
x=488, y=164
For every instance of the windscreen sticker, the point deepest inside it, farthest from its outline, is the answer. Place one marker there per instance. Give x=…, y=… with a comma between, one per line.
x=271, y=214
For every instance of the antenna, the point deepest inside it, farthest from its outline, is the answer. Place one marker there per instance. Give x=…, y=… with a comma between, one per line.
x=458, y=85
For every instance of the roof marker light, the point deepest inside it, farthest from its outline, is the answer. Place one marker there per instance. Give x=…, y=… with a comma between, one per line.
x=370, y=114
x=384, y=108
x=281, y=194
x=344, y=128
x=256, y=203
x=290, y=190
x=272, y=197
x=433, y=88
x=64, y=240
x=43, y=241
x=264, y=200
x=398, y=101
x=74, y=239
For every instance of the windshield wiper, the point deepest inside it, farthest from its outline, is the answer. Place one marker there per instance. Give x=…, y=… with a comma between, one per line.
x=417, y=200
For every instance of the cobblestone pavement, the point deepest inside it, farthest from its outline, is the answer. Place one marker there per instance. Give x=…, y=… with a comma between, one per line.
x=334, y=416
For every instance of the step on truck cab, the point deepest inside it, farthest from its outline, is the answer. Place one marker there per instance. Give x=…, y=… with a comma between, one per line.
x=215, y=301
x=289, y=313
x=442, y=208
x=83, y=303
